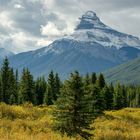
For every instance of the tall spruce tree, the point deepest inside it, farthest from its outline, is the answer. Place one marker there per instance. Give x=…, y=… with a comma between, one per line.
x=27, y=89
x=124, y=96
x=13, y=88
x=97, y=101
x=71, y=115
x=5, y=76
x=50, y=95
x=87, y=80
x=57, y=85
x=93, y=78
x=108, y=98
x=119, y=97
x=40, y=89
x=137, y=97
x=1, y=90
x=101, y=81
x=111, y=96
x=17, y=79
x=131, y=92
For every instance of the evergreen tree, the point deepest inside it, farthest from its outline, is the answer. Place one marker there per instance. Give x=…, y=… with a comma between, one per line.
x=131, y=92
x=1, y=90
x=93, y=78
x=5, y=75
x=101, y=81
x=87, y=80
x=17, y=80
x=87, y=83
x=108, y=97
x=111, y=96
x=40, y=89
x=7, y=81
x=119, y=97
x=70, y=114
x=57, y=85
x=27, y=89
x=137, y=97
x=13, y=88
x=50, y=95
x=124, y=96
x=97, y=101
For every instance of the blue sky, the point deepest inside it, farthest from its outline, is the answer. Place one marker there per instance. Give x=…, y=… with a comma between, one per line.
x=30, y=24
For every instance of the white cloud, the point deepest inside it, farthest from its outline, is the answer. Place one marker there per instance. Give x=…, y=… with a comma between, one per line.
x=44, y=42
x=18, y=42
x=50, y=30
x=18, y=6
x=5, y=20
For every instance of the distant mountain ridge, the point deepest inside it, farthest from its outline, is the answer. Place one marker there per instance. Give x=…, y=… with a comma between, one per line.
x=93, y=47
x=127, y=73
x=5, y=53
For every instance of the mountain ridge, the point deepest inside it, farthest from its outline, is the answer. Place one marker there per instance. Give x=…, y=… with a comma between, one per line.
x=94, y=47
x=127, y=73
x=5, y=53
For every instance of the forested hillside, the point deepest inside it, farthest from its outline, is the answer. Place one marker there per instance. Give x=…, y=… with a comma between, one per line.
x=127, y=73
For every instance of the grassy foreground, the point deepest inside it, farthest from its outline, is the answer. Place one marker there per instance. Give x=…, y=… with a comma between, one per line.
x=34, y=123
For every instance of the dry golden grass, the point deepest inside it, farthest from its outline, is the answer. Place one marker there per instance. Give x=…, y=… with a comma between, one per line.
x=27, y=123
x=34, y=123
x=118, y=125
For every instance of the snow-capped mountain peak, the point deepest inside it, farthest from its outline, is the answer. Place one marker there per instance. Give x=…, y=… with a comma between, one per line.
x=93, y=47
x=90, y=21
x=92, y=29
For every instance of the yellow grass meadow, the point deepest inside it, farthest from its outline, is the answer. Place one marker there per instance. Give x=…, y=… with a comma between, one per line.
x=34, y=123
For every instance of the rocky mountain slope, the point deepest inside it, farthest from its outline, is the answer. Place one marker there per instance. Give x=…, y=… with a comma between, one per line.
x=92, y=47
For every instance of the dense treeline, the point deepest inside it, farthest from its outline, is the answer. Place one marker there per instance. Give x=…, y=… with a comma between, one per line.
x=78, y=100
x=15, y=90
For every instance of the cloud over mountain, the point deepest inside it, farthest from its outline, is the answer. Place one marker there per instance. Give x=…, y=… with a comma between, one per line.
x=30, y=24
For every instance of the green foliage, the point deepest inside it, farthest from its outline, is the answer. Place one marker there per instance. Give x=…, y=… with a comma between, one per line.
x=97, y=102
x=57, y=85
x=101, y=81
x=93, y=78
x=107, y=93
x=5, y=76
x=40, y=89
x=77, y=100
x=50, y=95
x=53, y=89
x=27, y=88
x=1, y=90
x=119, y=96
x=7, y=82
x=15, y=90
x=70, y=115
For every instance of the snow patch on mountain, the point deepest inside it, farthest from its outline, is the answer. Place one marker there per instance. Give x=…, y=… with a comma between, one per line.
x=91, y=29
x=93, y=47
